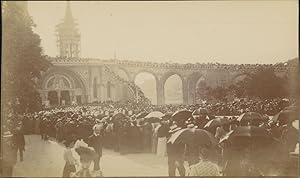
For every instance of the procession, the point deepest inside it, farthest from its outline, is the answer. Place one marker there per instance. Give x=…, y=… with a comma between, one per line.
x=160, y=89
x=242, y=145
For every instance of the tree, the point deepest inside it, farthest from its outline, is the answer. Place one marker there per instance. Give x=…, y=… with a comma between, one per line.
x=22, y=59
x=218, y=93
x=238, y=89
x=265, y=84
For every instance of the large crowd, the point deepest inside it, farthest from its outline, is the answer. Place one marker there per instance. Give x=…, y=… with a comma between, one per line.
x=293, y=63
x=128, y=127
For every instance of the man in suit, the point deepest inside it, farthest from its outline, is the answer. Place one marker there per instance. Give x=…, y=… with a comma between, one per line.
x=96, y=141
x=19, y=141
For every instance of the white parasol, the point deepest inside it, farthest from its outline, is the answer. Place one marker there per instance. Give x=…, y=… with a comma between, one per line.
x=155, y=114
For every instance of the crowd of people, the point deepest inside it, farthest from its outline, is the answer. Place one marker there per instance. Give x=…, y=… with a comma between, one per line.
x=279, y=66
x=268, y=107
x=128, y=127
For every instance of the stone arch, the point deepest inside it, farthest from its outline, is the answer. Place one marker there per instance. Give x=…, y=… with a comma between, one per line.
x=77, y=86
x=173, y=99
x=194, y=77
x=124, y=71
x=169, y=74
x=193, y=80
x=58, y=81
x=75, y=78
x=145, y=71
x=238, y=77
x=200, y=89
x=150, y=91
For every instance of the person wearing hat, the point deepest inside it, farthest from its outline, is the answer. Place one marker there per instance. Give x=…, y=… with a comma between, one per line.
x=96, y=141
x=175, y=155
x=87, y=155
x=201, y=117
x=19, y=139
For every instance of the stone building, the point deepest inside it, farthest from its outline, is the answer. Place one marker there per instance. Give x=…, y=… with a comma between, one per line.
x=74, y=79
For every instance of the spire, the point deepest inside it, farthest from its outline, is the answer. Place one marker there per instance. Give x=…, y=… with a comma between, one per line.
x=68, y=15
x=68, y=37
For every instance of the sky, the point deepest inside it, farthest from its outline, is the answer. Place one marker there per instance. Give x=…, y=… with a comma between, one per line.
x=180, y=31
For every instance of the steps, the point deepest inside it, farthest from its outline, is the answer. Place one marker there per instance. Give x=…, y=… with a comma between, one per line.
x=136, y=90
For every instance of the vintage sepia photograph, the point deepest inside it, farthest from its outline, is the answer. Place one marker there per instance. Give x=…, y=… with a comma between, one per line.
x=149, y=88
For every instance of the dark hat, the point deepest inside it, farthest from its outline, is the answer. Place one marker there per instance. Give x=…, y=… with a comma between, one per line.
x=167, y=116
x=200, y=111
x=181, y=115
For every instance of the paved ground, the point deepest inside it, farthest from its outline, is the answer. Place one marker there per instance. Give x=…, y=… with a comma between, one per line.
x=45, y=159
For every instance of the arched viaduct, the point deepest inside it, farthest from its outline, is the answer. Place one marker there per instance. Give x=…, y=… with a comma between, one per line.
x=85, y=80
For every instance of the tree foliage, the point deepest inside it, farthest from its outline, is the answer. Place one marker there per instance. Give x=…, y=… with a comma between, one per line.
x=22, y=59
x=265, y=84
x=218, y=93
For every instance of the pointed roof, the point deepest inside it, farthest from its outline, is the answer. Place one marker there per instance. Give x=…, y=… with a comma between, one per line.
x=68, y=15
x=68, y=24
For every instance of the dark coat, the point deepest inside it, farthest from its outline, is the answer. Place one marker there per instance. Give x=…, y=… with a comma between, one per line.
x=175, y=151
x=19, y=140
x=163, y=131
x=96, y=142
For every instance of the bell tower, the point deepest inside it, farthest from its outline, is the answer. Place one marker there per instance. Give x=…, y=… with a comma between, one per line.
x=68, y=36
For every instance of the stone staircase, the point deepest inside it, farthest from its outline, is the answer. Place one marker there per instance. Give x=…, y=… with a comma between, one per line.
x=137, y=91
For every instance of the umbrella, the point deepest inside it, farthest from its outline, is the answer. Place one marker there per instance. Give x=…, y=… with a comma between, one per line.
x=192, y=136
x=101, y=116
x=119, y=116
x=152, y=119
x=216, y=122
x=285, y=115
x=244, y=135
x=181, y=115
x=156, y=114
x=141, y=115
x=200, y=111
x=250, y=131
x=249, y=116
x=167, y=116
